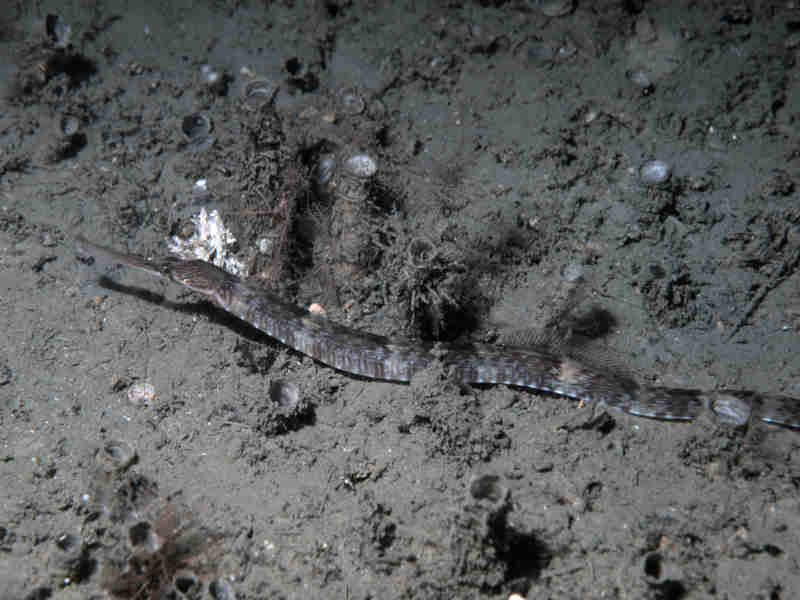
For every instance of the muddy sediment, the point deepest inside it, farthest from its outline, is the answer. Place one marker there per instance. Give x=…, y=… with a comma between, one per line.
x=416, y=170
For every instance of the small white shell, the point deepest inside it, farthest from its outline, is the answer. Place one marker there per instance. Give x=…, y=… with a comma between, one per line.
x=567, y=50
x=284, y=393
x=141, y=393
x=655, y=172
x=731, y=410
x=325, y=168
x=209, y=75
x=360, y=165
x=352, y=102
x=258, y=92
x=572, y=273
x=640, y=78
x=68, y=125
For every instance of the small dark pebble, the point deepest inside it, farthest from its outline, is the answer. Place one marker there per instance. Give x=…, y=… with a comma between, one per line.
x=5, y=374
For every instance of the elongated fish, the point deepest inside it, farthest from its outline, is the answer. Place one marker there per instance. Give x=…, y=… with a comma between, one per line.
x=377, y=357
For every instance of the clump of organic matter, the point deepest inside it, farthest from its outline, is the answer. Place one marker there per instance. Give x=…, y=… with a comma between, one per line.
x=432, y=278
x=163, y=551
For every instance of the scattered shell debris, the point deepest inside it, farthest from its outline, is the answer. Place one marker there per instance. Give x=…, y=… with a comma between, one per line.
x=325, y=168
x=345, y=176
x=360, y=165
x=345, y=173
x=655, y=172
x=141, y=393
x=567, y=49
x=209, y=74
x=718, y=140
x=284, y=393
x=214, y=80
x=68, y=125
x=200, y=191
x=592, y=112
x=211, y=242
x=351, y=101
x=266, y=244
x=641, y=79
x=258, y=92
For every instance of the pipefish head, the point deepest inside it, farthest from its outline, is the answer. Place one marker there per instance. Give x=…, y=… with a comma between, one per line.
x=200, y=276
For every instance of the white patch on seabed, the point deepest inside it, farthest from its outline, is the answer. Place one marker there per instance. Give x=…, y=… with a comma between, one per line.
x=210, y=242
